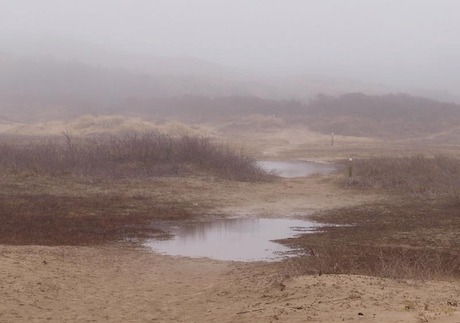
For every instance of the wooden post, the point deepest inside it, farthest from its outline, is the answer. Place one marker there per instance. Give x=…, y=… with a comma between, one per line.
x=350, y=167
x=332, y=139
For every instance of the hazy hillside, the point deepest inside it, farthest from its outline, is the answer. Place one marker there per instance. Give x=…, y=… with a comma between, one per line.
x=355, y=114
x=391, y=115
x=46, y=87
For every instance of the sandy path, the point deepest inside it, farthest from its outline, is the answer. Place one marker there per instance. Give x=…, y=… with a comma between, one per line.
x=109, y=284
x=287, y=197
x=120, y=284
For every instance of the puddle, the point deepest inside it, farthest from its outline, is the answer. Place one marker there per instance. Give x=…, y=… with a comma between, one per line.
x=296, y=168
x=240, y=239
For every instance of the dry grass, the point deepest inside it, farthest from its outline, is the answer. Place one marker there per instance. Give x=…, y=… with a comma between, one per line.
x=414, y=234
x=417, y=175
x=137, y=155
x=65, y=220
x=388, y=262
x=91, y=190
x=68, y=210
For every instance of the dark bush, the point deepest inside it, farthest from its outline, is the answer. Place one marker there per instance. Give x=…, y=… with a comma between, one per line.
x=135, y=155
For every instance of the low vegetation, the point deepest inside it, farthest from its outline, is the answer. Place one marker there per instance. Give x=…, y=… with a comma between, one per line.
x=407, y=238
x=418, y=176
x=79, y=220
x=136, y=155
x=92, y=190
x=414, y=233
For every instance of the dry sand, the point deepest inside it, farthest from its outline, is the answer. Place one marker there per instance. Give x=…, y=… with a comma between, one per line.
x=122, y=284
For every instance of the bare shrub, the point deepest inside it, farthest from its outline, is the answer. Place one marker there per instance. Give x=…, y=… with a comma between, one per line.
x=402, y=238
x=388, y=262
x=138, y=154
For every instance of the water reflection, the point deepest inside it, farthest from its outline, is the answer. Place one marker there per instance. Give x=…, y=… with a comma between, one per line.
x=296, y=168
x=242, y=239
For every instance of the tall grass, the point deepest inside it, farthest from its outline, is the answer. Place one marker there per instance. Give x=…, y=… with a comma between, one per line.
x=138, y=155
x=416, y=175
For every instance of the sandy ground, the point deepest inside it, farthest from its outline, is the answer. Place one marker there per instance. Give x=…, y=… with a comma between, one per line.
x=121, y=284
x=288, y=197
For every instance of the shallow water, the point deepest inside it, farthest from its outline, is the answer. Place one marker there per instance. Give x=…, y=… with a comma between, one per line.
x=296, y=168
x=240, y=239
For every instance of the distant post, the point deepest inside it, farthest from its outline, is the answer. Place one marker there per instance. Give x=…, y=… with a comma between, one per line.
x=350, y=167
x=332, y=139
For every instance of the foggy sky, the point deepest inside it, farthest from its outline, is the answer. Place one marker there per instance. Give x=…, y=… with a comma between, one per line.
x=407, y=43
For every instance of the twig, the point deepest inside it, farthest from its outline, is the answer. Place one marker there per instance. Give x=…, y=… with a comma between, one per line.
x=244, y=312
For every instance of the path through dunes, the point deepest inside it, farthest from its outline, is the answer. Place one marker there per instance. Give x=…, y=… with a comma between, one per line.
x=122, y=284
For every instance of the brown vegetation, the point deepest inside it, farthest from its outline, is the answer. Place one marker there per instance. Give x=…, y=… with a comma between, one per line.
x=81, y=190
x=415, y=176
x=414, y=234
x=66, y=220
x=137, y=155
x=409, y=239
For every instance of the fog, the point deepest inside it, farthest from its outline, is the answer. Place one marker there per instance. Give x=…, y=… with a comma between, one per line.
x=409, y=45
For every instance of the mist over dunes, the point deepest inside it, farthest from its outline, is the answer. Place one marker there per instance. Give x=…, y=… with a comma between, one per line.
x=45, y=88
x=47, y=83
x=44, y=78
